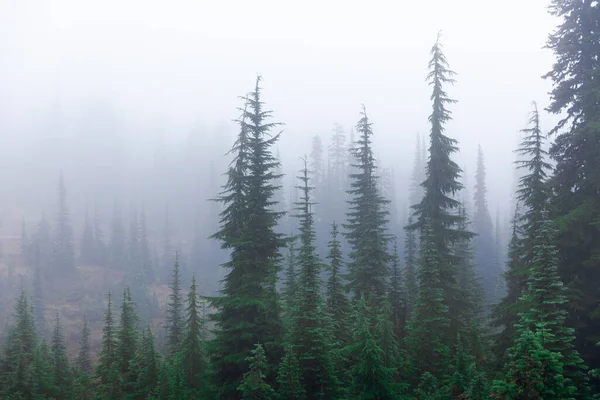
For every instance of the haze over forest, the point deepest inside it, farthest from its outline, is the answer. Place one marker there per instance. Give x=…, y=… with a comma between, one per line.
x=121, y=122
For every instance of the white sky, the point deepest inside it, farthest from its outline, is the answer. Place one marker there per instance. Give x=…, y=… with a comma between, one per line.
x=187, y=61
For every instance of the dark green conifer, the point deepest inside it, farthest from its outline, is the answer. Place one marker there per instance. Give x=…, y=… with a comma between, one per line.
x=371, y=378
x=247, y=312
x=107, y=358
x=254, y=386
x=337, y=304
x=367, y=221
x=174, y=318
x=127, y=338
x=396, y=296
x=63, y=378
x=84, y=357
x=146, y=367
x=44, y=372
x=288, y=379
x=410, y=272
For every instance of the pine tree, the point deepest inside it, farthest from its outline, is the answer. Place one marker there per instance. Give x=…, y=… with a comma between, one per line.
x=191, y=354
x=127, y=338
x=396, y=295
x=108, y=384
x=410, y=273
x=254, y=386
x=247, y=310
x=309, y=334
x=44, y=372
x=175, y=310
x=87, y=249
x=371, y=378
x=17, y=362
x=366, y=224
x=146, y=367
x=484, y=241
x=532, y=194
x=546, y=301
x=337, y=304
x=576, y=205
x=436, y=316
x=61, y=368
x=418, y=174
x=290, y=284
x=84, y=357
x=63, y=249
x=288, y=379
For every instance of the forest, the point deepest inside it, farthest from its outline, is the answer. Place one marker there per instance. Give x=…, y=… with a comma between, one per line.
x=322, y=284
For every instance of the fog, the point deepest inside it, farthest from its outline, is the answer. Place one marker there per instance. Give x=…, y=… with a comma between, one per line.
x=110, y=92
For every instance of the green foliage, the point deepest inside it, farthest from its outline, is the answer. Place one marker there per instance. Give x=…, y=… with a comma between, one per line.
x=410, y=273
x=371, y=378
x=84, y=357
x=247, y=311
x=254, y=386
x=127, y=339
x=63, y=378
x=146, y=366
x=289, y=380
x=396, y=296
x=366, y=222
x=174, y=318
x=107, y=359
x=337, y=304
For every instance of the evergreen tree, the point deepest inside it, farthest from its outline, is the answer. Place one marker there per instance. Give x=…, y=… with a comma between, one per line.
x=174, y=318
x=546, y=302
x=17, y=362
x=290, y=284
x=87, y=250
x=337, y=304
x=532, y=193
x=127, y=339
x=484, y=241
x=191, y=355
x=63, y=249
x=61, y=368
x=247, y=310
x=418, y=174
x=396, y=295
x=367, y=220
x=41, y=243
x=146, y=367
x=410, y=273
x=576, y=204
x=254, y=386
x=84, y=357
x=109, y=385
x=309, y=334
x=44, y=372
x=371, y=378
x=436, y=317
x=289, y=379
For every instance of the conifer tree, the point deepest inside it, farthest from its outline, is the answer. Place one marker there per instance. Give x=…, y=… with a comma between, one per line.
x=191, y=355
x=108, y=384
x=63, y=249
x=337, y=304
x=289, y=380
x=100, y=246
x=174, y=318
x=44, y=372
x=127, y=338
x=247, y=309
x=371, y=378
x=84, y=357
x=87, y=249
x=146, y=367
x=532, y=194
x=396, y=295
x=254, y=386
x=436, y=315
x=485, y=267
x=576, y=43
x=309, y=334
x=410, y=259
x=418, y=174
x=366, y=224
x=61, y=368
x=290, y=283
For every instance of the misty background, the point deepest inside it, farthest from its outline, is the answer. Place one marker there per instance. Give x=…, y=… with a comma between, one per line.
x=133, y=100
